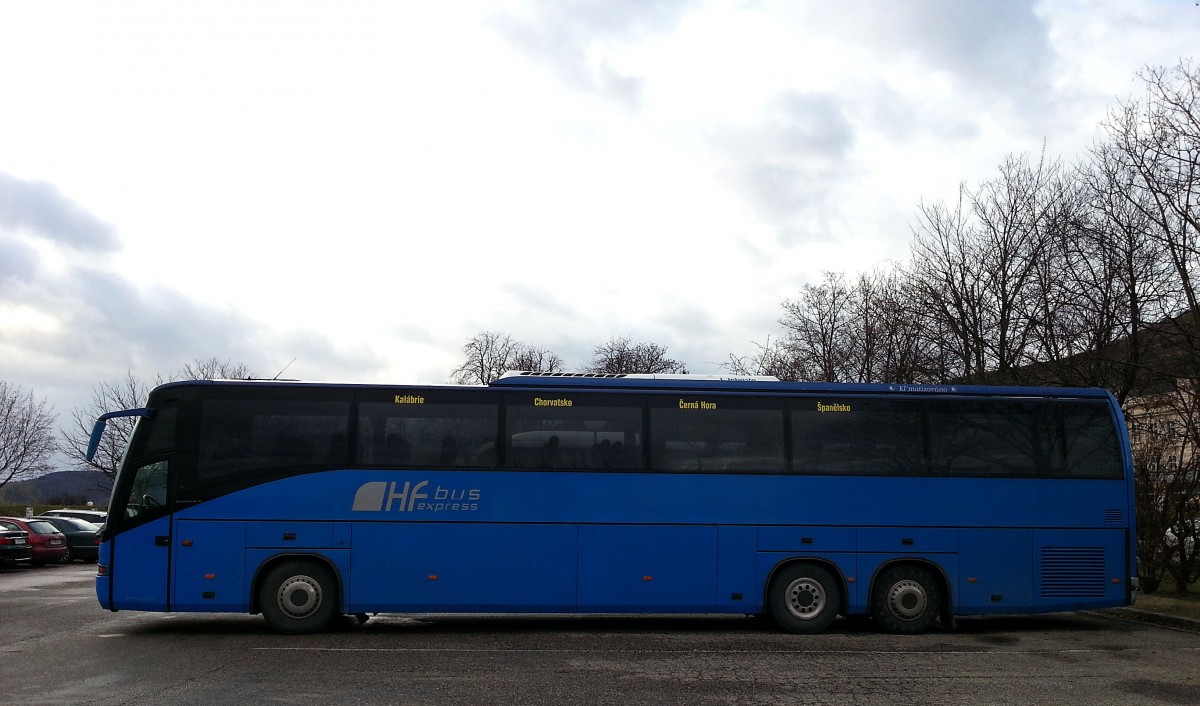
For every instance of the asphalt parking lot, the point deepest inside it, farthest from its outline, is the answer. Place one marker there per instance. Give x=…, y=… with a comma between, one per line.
x=57, y=646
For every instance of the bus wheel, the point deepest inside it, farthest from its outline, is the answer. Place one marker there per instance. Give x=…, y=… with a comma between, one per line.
x=298, y=597
x=906, y=600
x=804, y=598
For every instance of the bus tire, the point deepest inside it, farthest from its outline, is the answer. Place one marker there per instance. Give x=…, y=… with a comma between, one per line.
x=804, y=598
x=906, y=600
x=298, y=597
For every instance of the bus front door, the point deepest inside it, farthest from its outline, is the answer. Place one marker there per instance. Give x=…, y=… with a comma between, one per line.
x=141, y=547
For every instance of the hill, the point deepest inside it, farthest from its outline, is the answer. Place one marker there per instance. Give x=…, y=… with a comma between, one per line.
x=59, y=488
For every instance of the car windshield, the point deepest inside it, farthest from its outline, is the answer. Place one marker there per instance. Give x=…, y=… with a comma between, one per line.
x=9, y=526
x=43, y=527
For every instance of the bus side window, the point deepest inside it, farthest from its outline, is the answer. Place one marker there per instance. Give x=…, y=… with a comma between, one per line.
x=457, y=433
x=1092, y=447
x=583, y=432
x=858, y=436
x=717, y=435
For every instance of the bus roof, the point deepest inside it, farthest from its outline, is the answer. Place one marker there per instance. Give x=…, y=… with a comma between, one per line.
x=678, y=383
x=773, y=384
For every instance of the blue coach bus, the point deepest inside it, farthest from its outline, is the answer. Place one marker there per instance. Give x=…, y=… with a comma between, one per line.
x=577, y=493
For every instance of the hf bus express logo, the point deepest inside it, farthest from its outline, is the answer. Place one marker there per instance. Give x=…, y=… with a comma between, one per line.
x=390, y=496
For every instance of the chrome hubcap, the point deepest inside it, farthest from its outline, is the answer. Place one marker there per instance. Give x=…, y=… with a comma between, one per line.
x=907, y=600
x=805, y=598
x=299, y=596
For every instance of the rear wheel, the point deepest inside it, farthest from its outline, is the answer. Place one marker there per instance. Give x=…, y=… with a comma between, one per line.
x=906, y=600
x=298, y=597
x=804, y=598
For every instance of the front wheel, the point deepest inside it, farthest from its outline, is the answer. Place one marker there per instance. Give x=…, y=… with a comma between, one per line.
x=906, y=600
x=804, y=598
x=299, y=597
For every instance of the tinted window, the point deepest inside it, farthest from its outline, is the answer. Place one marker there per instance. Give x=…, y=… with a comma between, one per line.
x=707, y=433
x=1091, y=438
x=1024, y=438
x=993, y=438
x=858, y=436
x=427, y=428
x=572, y=431
x=965, y=437
x=160, y=433
x=240, y=436
x=42, y=527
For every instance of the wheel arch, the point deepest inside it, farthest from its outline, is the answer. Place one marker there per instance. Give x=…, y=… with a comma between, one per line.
x=935, y=569
x=827, y=564
x=265, y=567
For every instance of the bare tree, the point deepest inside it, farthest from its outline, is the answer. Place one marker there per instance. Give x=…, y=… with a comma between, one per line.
x=1105, y=280
x=835, y=331
x=772, y=358
x=1152, y=158
x=1167, y=477
x=213, y=369
x=948, y=279
x=1152, y=466
x=127, y=393
x=1158, y=141
x=816, y=328
x=883, y=332
x=620, y=355
x=1153, y=149
x=26, y=436
x=1017, y=215
x=490, y=354
x=537, y=359
x=985, y=269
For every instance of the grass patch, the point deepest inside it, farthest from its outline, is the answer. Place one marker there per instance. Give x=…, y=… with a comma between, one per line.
x=1167, y=600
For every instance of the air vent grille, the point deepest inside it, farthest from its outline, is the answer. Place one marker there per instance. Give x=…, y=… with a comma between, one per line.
x=1114, y=517
x=1073, y=572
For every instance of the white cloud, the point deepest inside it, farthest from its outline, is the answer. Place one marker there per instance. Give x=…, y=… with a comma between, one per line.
x=580, y=42
x=41, y=208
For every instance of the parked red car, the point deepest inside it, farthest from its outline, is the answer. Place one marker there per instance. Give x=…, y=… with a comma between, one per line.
x=46, y=543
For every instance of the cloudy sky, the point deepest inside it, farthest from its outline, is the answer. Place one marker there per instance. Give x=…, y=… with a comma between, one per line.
x=363, y=186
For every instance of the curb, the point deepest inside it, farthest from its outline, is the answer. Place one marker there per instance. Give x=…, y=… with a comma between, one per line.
x=1145, y=616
